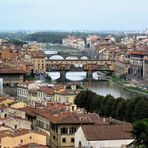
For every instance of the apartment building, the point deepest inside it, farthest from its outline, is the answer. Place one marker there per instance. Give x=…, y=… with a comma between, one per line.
x=39, y=61
x=107, y=136
x=73, y=41
x=61, y=126
x=21, y=137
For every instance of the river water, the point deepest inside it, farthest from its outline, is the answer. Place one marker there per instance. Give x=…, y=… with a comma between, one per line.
x=100, y=87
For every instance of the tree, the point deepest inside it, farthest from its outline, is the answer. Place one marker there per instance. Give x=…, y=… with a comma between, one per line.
x=108, y=106
x=120, y=110
x=141, y=109
x=32, y=75
x=48, y=78
x=102, y=106
x=130, y=109
x=114, y=107
x=140, y=133
x=79, y=87
x=68, y=87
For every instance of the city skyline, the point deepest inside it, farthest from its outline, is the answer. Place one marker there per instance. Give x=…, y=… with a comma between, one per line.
x=68, y=15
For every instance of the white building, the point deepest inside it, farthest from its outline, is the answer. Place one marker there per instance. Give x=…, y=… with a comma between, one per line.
x=23, y=89
x=74, y=42
x=1, y=86
x=103, y=136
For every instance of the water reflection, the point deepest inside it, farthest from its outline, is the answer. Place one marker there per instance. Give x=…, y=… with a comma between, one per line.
x=100, y=87
x=105, y=87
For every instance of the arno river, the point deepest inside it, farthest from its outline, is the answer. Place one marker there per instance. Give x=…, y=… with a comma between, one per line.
x=100, y=87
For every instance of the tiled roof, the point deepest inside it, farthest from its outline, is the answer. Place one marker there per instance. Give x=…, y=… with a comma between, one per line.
x=19, y=132
x=47, y=90
x=33, y=91
x=59, y=106
x=32, y=145
x=138, y=52
x=10, y=70
x=73, y=118
x=30, y=111
x=26, y=83
x=66, y=92
x=107, y=132
x=38, y=54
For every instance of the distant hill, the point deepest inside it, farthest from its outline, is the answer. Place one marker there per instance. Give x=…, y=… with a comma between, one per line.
x=50, y=37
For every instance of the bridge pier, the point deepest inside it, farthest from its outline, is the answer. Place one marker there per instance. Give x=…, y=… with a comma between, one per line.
x=89, y=75
x=63, y=75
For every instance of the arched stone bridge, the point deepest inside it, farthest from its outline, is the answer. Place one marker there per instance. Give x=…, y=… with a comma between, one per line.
x=88, y=65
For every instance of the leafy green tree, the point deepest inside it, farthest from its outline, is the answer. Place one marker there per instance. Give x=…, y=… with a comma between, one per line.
x=108, y=106
x=120, y=110
x=48, y=78
x=81, y=99
x=98, y=103
x=140, y=133
x=102, y=106
x=114, y=107
x=141, y=109
x=130, y=109
x=68, y=87
x=79, y=87
x=32, y=75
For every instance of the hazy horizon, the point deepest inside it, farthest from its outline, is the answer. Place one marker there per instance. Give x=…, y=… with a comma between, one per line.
x=74, y=15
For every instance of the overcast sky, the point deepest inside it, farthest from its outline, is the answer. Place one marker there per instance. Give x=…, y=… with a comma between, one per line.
x=73, y=14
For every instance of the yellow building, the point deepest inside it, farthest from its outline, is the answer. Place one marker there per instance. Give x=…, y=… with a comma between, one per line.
x=9, y=139
x=18, y=105
x=39, y=61
x=65, y=96
x=121, y=67
x=6, y=101
x=33, y=47
x=61, y=126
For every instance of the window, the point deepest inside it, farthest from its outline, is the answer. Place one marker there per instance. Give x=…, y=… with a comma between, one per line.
x=64, y=130
x=15, y=126
x=21, y=141
x=72, y=140
x=30, y=137
x=5, y=115
x=53, y=137
x=72, y=130
x=63, y=140
x=67, y=100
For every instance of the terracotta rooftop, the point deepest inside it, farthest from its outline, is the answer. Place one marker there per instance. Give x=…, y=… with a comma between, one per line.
x=33, y=91
x=73, y=118
x=66, y=92
x=10, y=70
x=18, y=132
x=28, y=82
x=30, y=111
x=59, y=106
x=140, y=52
x=107, y=132
x=32, y=145
x=47, y=89
x=38, y=54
